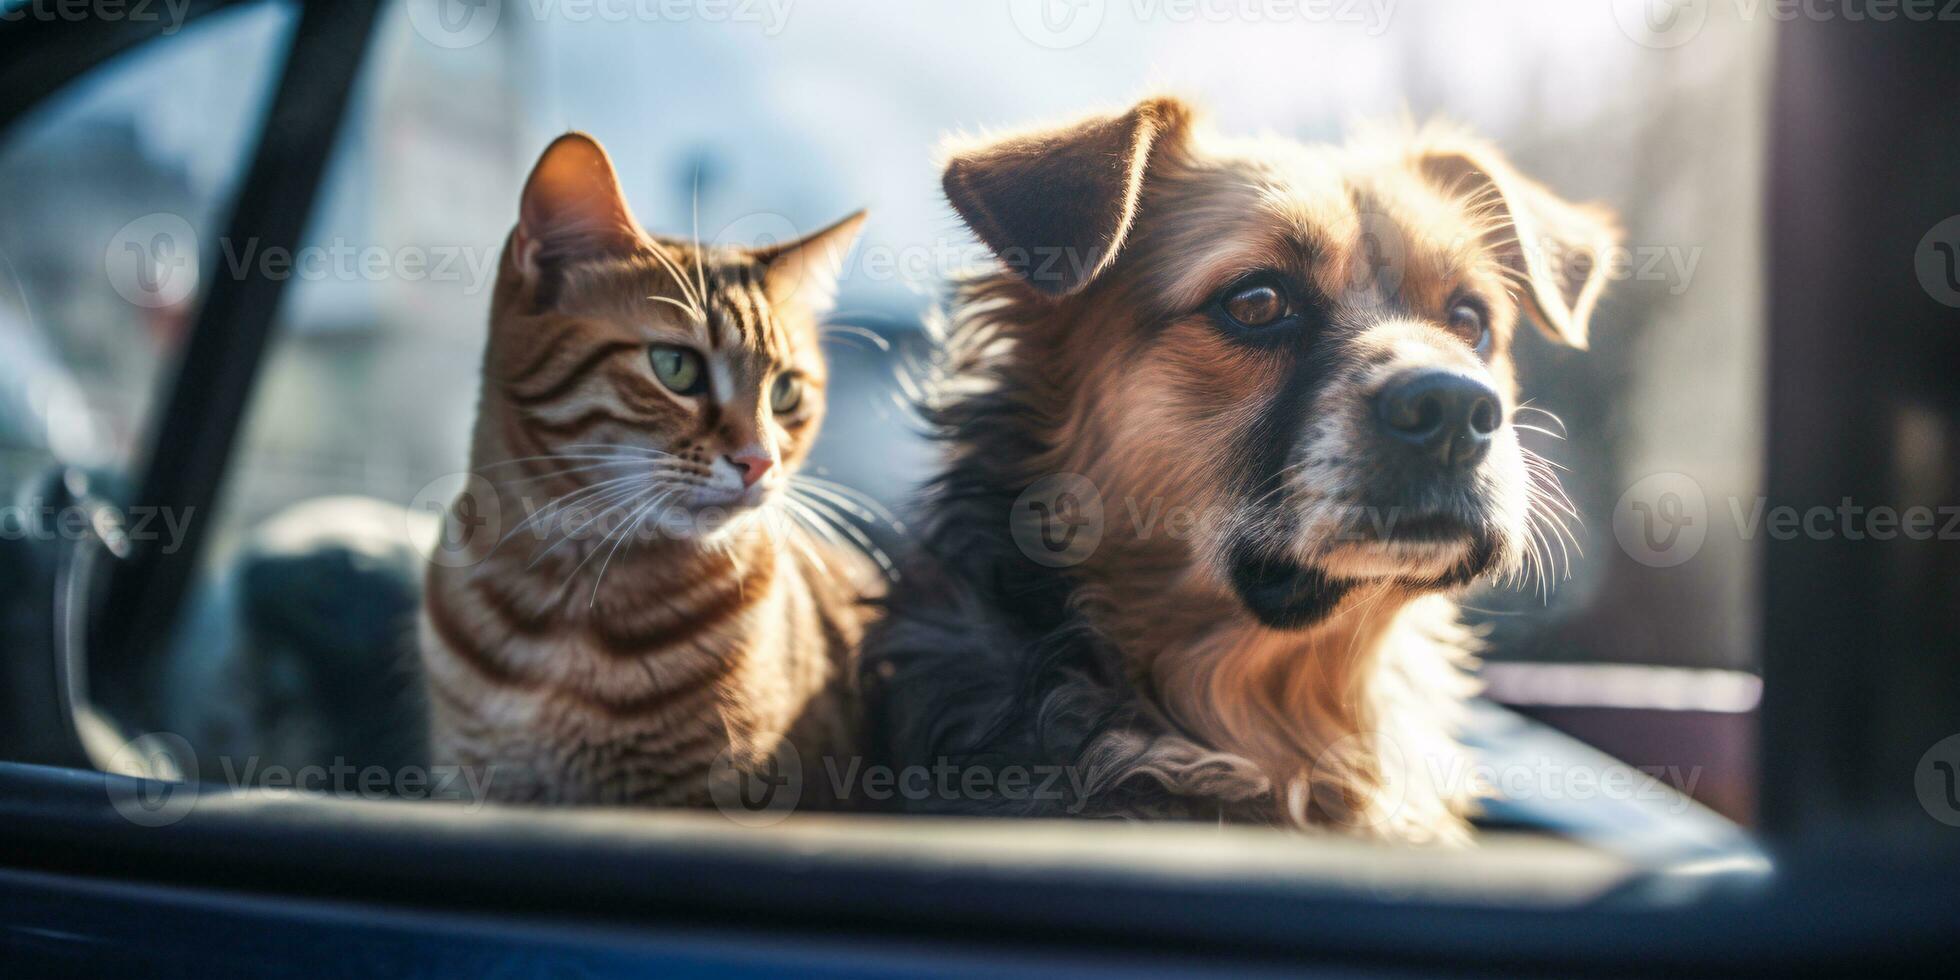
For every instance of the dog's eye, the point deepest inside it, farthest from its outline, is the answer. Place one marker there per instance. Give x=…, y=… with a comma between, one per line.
x=1254, y=303
x=1467, y=322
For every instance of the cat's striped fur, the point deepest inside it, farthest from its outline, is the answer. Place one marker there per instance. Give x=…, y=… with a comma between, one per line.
x=640, y=602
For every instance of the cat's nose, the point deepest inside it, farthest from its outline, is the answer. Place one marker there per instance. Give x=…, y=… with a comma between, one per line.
x=752, y=465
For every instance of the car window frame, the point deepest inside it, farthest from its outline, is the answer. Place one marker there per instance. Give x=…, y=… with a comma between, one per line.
x=63, y=819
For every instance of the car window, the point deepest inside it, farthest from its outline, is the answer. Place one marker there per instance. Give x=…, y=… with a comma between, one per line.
x=1601, y=723
x=111, y=192
x=746, y=128
x=738, y=129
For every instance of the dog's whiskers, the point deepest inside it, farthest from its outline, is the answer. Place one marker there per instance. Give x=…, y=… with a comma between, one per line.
x=1529, y=407
x=1547, y=508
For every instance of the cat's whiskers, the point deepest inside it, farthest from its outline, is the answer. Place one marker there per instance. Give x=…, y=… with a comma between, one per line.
x=695, y=301
x=620, y=447
x=613, y=500
x=629, y=501
x=627, y=529
x=607, y=455
x=852, y=331
x=559, y=503
x=828, y=514
x=856, y=502
x=700, y=250
x=636, y=505
x=559, y=474
x=807, y=532
x=623, y=453
x=806, y=519
x=797, y=535
x=599, y=457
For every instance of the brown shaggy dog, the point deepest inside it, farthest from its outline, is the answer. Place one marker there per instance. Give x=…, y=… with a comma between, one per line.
x=1227, y=428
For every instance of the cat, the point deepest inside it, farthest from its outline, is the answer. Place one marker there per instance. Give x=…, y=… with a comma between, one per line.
x=677, y=609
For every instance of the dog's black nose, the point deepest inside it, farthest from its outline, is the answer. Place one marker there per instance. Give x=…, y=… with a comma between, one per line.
x=1445, y=417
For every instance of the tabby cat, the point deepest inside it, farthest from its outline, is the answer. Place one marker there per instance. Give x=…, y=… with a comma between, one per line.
x=658, y=601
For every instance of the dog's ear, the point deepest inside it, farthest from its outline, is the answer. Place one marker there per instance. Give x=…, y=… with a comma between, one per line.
x=1055, y=205
x=1559, y=250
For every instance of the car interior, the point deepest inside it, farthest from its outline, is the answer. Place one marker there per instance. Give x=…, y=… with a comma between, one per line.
x=210, y=564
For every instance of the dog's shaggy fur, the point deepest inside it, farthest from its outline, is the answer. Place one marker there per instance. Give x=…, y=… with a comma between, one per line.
x=1237, y=624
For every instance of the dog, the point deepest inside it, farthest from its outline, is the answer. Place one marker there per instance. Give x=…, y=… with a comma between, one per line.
x=1227, y=426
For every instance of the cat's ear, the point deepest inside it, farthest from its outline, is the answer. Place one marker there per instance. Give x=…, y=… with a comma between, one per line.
x=805, y=272
x=1559, y=250
x=1055, y=205
x=573, y=208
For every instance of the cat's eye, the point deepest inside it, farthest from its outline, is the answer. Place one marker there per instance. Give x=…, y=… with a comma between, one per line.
x=786, y=394
x=1467, y=322
x=1255, y=302
x=679, y=368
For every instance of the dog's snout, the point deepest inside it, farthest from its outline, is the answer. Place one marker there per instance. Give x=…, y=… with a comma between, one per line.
x=1445, y=417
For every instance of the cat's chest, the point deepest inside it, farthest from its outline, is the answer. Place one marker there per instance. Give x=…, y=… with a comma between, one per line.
x=572, y=689
x=601, y=731
x=618, y=708
x=587, y=687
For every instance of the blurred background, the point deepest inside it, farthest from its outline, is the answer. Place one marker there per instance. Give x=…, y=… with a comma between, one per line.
x=754, y=121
